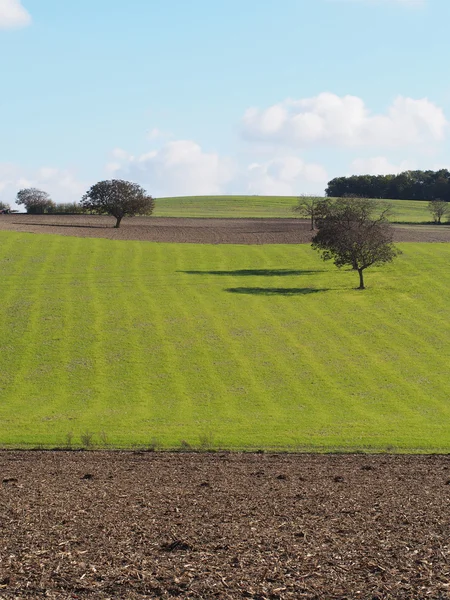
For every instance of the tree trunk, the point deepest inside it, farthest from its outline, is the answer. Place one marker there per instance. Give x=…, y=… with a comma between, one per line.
x=117, y=225
x=361, y=280
x=312, y=222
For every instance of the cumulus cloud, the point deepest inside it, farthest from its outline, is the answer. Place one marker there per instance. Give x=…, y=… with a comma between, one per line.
x=287, y=176
x=182, y=168
x=345, y=121
x=177, y=168
x=62, y=184
x=379, y=165
x=13, y=14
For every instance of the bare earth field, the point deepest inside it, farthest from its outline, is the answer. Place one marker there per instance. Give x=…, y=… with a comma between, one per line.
x=160, y=525
x=196, y=231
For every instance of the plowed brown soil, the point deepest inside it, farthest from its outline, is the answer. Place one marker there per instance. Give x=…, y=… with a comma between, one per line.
x=160, y=525
x=196, y=231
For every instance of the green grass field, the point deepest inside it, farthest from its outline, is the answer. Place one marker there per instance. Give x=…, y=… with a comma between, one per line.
x=239, y=347
x=404, y=211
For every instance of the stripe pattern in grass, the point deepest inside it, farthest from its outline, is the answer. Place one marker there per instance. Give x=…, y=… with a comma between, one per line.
x=231, y=346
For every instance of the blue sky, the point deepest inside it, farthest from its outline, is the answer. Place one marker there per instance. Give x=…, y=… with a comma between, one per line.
x=230, y=96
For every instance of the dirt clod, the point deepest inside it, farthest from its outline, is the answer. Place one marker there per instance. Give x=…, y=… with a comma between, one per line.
x=8, y=480
x=175, y=545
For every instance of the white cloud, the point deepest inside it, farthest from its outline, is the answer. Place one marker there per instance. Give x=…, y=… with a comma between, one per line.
x=158, y=134
x=346, y=121
x=61, y=184
x=182, y=168
x=379, y=165
x=13, y=14
x=177, y=168
x=287, y=176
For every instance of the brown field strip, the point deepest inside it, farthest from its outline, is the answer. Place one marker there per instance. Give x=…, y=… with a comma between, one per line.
x=195, y=231
x=166, y=525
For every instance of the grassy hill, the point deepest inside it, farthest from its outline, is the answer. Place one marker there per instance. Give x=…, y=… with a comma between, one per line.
x=223, y=346
x=404, y=211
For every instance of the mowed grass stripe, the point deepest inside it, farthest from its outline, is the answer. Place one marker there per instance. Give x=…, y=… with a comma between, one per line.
x=244, y=347
x=14, y=321
x=207, y=388
x=120, y=367
x=38, y=349
x=168, y=394
x=228, y=362
x=94, y=392
x=148, y=358
x=67, y=302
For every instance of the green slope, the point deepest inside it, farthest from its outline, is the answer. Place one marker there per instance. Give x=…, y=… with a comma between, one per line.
x=404, y=211
x=234, y=346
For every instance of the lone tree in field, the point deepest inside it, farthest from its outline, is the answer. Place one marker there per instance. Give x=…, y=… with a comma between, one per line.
x=35, y=201
x=438, y=209
x=350, y=234
x=310, y=207
x=119, y=199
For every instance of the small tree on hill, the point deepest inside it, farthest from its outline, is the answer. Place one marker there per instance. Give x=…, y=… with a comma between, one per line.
x=119, y=199
x=310, y=207
x=350, y=234
x=438, y=209
x=35, y=201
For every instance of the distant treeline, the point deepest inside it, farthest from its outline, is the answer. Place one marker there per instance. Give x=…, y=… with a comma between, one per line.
x=409, y=185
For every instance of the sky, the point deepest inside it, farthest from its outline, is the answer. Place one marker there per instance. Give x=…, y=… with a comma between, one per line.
x=224, y=97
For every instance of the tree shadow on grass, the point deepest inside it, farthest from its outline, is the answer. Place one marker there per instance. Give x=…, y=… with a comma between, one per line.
x=259, y=291
x=256, y=272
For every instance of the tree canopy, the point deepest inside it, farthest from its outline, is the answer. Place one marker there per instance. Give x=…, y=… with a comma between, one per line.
x=438, y=209
x=409, y=185
x=35, y=201
x=119, y=199
x=309, y=206
x=350, y=234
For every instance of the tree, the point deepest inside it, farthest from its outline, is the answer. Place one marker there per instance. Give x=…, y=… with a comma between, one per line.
x=118, y=198
x=350, y=234
x=4, y=208
x=35, y=201
x=438, y=209
x=310, y=207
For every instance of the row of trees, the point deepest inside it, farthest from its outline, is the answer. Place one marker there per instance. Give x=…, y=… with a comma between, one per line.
x=409, y=185
x=115, y=197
